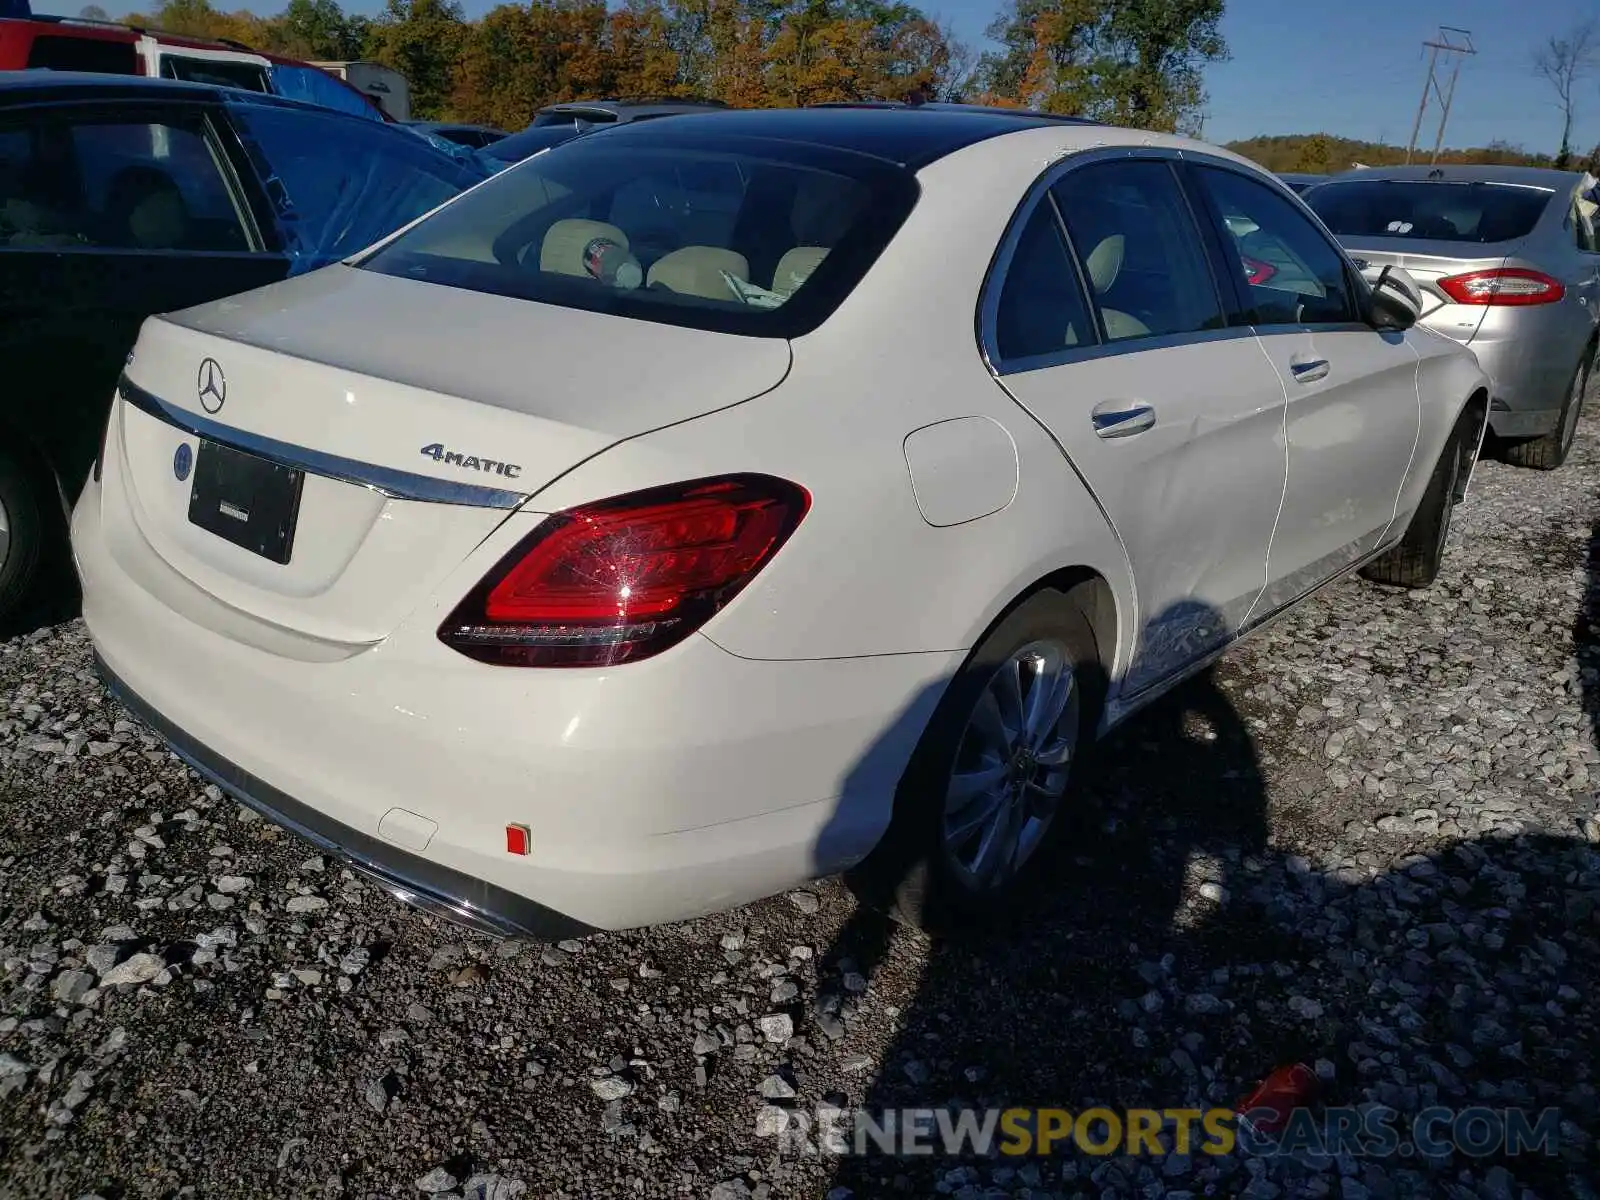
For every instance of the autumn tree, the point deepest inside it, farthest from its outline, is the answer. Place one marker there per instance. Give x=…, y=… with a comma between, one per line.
x=1564, y=62
x=198, y=19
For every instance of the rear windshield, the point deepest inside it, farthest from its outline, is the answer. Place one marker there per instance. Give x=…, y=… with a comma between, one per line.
x=100, y=55
x=1440, y=212
x=741, y=235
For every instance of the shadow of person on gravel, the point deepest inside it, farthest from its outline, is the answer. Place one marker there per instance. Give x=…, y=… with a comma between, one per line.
x=1167, y=958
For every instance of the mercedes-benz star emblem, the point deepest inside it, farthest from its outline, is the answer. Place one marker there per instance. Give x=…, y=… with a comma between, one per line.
x=212, y=384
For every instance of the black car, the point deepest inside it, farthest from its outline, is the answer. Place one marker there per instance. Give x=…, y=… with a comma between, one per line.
x=1300, y=181
x=557, y=123
x=474, y=137
x=121, y=197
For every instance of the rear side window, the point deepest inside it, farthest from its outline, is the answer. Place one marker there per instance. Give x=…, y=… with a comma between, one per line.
x=99, y=55
x=1140, y=250
x=1041, y=309
x=115, y=184
x=757, y=237
x=218, y=72
x=1292, y=275
x=339, y=183
x=1584, y=216
x=1423, y=211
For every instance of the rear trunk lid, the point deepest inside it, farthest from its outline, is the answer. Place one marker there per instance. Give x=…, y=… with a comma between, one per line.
x=420, y=416
x=1430, y=261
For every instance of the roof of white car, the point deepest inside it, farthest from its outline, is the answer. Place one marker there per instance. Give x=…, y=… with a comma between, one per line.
x=911, y=136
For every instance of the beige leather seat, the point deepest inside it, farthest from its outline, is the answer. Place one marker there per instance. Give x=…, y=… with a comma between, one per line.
x=561, y=253
x=1104, y=265
x=697, y=271
x=795, y=267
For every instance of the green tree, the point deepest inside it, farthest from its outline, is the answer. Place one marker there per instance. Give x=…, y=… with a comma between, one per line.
x=317, y=30
x=421, y=39
x=1133, y=62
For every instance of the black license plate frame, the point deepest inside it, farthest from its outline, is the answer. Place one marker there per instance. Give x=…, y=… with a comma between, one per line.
x=250, y=501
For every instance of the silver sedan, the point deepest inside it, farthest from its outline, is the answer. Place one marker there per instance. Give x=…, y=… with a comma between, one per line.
x=1509, y=263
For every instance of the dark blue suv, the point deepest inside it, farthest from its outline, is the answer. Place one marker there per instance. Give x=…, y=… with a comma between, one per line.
x=121, y=197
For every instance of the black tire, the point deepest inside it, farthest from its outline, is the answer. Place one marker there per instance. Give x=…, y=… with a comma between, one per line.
x=1550, y=451
x=911, y=874
x=21, y=535
x=1414, y=561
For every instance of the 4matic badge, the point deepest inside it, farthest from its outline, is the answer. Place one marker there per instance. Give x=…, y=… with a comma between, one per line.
x=471, y=462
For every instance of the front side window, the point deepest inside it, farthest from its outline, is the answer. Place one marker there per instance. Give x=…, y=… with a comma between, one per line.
x=1140, y=250
x=1293, y=275
x=754, y=237
x=1429, y=211
x=340, y=184
x=115, y=184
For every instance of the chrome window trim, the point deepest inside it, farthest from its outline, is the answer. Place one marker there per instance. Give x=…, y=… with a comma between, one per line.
x=396, y=484
x=1000, y=265
x=994, y=280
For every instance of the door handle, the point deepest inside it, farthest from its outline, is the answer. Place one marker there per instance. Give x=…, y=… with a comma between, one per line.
x=1118, y=418
x=1309, y=370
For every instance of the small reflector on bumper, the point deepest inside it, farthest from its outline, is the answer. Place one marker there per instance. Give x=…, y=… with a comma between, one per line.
x=519, y=839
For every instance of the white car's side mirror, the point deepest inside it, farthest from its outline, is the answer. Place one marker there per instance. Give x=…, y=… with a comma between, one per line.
x=1396, y=297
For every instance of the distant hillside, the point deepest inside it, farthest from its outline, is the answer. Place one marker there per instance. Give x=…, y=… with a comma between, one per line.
x=1320, y=153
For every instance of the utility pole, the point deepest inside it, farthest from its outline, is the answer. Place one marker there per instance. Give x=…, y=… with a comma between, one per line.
x=1455, y=44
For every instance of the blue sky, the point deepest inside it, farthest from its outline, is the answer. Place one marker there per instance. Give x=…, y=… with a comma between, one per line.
x=1348, y=67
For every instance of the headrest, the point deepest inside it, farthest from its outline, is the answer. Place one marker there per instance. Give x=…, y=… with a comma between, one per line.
x=795, y=267
x=1104, y=263
x=697, y=271
x=159, y=222
x=562, y=250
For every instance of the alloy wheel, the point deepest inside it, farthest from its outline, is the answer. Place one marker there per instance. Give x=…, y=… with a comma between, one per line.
x=1012, y=765
x=5, y=536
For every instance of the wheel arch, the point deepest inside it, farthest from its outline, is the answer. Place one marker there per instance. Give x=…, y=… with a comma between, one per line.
x=1098, y=599
x=35, y=460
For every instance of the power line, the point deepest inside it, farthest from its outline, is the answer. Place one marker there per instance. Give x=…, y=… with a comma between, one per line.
x=1455, y=44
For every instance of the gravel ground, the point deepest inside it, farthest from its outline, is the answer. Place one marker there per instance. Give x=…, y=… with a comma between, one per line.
x=1365, y=843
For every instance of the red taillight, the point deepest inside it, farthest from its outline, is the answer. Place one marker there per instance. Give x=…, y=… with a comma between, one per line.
x=1502, y=286
x=1257, y=272
x=626, y=578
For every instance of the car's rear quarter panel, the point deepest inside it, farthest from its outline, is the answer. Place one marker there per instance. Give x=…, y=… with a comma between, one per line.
x=865, y=574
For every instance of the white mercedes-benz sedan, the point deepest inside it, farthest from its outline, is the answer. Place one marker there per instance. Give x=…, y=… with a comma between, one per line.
x=703, y=506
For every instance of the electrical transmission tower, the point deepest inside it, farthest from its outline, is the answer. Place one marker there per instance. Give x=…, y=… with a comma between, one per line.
x=1455, y=44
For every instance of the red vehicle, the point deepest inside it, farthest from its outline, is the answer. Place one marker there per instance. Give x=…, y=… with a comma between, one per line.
x=74, y=44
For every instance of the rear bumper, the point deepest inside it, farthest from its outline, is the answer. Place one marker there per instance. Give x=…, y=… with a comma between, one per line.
x=417, y=881
x=1530, y=367
x=654, y=792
